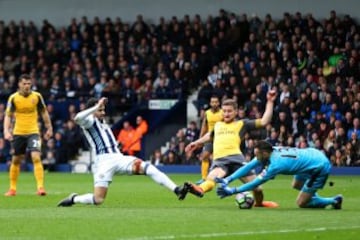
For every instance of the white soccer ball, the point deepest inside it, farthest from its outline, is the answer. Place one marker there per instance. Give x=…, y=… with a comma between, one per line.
x=244, y=200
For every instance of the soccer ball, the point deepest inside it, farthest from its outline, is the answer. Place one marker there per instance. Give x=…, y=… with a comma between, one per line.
x=244, y=200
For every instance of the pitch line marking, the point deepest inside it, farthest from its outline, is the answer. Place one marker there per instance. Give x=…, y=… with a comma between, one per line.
x=226, y=234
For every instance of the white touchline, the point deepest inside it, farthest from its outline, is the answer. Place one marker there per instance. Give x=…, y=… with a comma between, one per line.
x=226, y=234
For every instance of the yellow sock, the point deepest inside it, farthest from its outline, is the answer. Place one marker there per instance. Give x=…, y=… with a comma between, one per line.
x=13, y=175
x=205, y=163
x=38, y=172
x=208, y=185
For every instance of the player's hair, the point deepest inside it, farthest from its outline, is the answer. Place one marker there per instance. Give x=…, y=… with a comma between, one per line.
x=230, y=102
x=24, y=76
x=91, y=102
x=264, y=146
x=215, y=96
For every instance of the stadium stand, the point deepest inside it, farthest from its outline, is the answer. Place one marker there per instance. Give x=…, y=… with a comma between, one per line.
x=313, y=63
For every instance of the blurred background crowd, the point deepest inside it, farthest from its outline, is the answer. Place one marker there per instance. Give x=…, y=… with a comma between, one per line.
x=313, y=63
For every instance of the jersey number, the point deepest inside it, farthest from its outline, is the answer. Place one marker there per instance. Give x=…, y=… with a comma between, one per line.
x=285, y=150
x=36, y=143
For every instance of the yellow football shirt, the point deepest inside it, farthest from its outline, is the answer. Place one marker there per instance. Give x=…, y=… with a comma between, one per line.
x=25, y=111
x=212, y=118
x=227, y=136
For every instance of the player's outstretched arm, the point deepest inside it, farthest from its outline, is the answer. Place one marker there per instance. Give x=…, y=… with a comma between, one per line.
x=80, y=117
x=244, y=170
x=194, y=145
x=267, y=116
x=225, y=191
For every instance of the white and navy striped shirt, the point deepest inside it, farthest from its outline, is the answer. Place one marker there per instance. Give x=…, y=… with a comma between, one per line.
x=98, y=134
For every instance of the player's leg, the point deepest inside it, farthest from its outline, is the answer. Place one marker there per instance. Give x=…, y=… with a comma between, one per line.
x=96, y=198
x=34, y=146
x=258, y=193
x=205, y=165
x=102, y=177
x=137, y=166
x=38, y=172
x=14, y=173
x=19, y=146
x=208, y=184
x=308, y=198
x=298, y=181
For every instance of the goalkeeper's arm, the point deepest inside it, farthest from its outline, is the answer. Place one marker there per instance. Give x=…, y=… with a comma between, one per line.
x=244, y=170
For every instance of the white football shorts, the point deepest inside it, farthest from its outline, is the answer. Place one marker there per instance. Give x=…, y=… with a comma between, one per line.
x=106, y=165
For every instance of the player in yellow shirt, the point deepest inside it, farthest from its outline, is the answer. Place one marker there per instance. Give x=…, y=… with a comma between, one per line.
x=227, y=156
x=22, y=110
x=211, y=116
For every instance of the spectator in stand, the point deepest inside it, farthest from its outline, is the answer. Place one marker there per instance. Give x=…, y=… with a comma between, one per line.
x=299, y=52
x=135, y=146
x=72, y=139
x=297, y=124
x=125, y=137
x=128, y=95
x=162, y=91
x=5, y=156
x=355, y=129
x=145, y=91
x=156, y=158
x=61, y=155
x=192, y=132
x=329, y=142
x=48, y=159
x=204, y=95
x=323, y=131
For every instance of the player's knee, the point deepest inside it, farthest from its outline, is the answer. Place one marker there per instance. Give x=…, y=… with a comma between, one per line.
x=301, y=203
x=297, y=185
x=16, y=160
x=98, y=200
x=137, y=167
x=35, y=158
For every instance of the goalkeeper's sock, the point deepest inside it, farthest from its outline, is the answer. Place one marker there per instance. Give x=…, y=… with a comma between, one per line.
x=13, y=175
x=208, y=185
x=319, y=202
x=158, y=176
x=38, y=172
x=84, y=199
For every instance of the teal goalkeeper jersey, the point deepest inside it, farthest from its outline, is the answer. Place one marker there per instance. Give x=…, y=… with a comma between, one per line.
x=287, y=161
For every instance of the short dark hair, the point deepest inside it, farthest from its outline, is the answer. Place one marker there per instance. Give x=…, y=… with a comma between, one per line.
x=24, y=76
x=264, y=146
x=91, y=102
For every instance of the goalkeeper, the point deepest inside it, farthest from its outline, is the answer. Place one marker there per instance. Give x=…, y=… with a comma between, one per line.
x=310, y=167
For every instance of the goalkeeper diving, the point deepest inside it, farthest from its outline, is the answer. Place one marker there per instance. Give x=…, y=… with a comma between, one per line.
x=309, y=166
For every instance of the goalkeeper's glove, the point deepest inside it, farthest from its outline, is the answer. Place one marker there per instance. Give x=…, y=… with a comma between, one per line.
x=225, y=191
x=222, y=181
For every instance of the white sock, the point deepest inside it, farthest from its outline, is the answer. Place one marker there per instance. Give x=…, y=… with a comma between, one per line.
x=84, y=199
x=159, y=176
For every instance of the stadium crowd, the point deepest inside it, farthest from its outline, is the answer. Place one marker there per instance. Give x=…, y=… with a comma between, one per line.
x=313, y=64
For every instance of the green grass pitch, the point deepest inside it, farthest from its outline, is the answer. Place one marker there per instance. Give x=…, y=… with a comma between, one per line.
x=139, y=209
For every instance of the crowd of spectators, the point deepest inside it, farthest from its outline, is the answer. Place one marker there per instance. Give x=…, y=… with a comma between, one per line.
x=313, y=64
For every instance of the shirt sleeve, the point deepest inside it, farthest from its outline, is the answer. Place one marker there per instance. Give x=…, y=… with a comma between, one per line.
x=251, y=185
x=10, y=107
x=265, y=175
x=85, y=118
